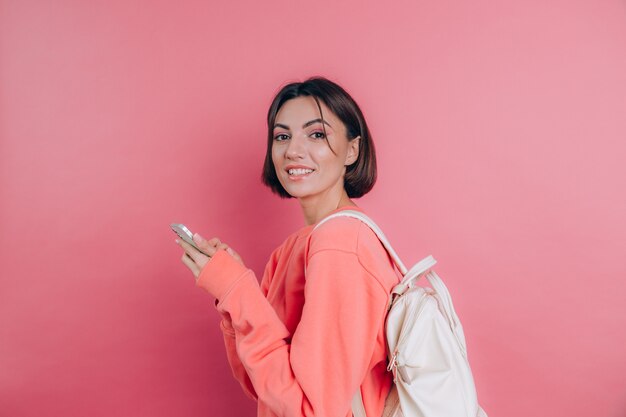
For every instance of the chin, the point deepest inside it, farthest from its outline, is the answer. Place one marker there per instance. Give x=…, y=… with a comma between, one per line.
x=297, y=192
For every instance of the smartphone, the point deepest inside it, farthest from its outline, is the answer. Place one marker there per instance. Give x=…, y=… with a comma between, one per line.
x=185, y=234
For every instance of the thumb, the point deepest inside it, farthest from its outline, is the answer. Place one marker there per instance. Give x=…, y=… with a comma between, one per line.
x=197, y=238
x=203, y=244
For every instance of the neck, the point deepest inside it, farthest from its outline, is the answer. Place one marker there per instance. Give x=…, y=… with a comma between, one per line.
x=315, y=210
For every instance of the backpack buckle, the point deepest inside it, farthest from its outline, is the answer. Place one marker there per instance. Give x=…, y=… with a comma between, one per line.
x=393, y=366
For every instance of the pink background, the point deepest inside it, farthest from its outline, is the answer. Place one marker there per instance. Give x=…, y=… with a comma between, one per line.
x=500, y=129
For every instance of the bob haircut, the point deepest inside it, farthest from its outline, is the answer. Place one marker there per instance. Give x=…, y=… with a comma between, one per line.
x=361, y=174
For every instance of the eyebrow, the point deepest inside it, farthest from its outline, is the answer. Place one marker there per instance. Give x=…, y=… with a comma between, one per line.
x=307, y=124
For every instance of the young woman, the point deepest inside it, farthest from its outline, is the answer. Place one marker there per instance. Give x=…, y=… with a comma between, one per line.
x=312, y=334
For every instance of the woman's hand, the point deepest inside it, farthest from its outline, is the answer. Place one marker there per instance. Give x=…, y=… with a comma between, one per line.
x=196, y=260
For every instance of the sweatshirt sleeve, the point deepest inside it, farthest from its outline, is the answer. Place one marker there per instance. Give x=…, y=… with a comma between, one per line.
x=318, y=370
x=237, y=368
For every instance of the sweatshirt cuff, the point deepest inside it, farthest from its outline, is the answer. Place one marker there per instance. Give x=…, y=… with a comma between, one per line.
x=227, y=328
x=220, y=273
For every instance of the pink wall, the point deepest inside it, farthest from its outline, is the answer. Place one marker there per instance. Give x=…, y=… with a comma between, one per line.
x=501, y=134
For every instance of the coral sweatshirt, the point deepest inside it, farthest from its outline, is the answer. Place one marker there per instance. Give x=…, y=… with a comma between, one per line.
x=302, y=346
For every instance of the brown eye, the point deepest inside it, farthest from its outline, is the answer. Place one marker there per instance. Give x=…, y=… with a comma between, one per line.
x=319, y=135
x=281, y=137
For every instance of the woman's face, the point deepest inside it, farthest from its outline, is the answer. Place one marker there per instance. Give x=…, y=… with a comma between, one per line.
x=305, y=166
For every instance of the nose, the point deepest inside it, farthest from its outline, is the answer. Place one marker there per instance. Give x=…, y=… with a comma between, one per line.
x=296, y=147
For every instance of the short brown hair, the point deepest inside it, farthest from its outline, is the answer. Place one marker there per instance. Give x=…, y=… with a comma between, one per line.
x=360, y=175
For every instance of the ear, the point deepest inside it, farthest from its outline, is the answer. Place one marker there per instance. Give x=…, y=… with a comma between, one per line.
x=353, y=151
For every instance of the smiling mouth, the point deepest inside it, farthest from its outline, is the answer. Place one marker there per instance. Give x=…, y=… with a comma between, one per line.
x=299, y=172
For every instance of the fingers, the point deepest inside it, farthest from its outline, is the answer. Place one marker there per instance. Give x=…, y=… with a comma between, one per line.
x=207, y=246
x=214, y=242
x=210, y=246
x=191, y=265
x=195, y=255
x=233, y=254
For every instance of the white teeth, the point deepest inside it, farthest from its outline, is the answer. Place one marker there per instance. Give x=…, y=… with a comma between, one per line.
x=299, y=171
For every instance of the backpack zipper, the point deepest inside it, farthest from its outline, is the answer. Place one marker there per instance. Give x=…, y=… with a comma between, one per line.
x=393, y=363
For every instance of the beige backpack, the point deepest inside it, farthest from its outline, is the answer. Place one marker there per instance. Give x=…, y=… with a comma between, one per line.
x=426, y=346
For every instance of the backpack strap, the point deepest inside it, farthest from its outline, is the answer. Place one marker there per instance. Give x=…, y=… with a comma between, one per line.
x=381, y=236
x=409, y=276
